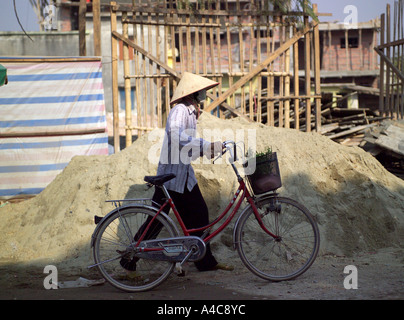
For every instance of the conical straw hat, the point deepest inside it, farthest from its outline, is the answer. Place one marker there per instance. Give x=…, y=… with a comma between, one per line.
x=191, y=83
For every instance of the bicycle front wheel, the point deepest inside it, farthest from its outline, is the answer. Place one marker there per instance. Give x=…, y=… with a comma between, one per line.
x=291, y=253
x=114, y=251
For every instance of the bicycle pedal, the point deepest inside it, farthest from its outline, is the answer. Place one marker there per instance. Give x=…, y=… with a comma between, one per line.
x=180, y=271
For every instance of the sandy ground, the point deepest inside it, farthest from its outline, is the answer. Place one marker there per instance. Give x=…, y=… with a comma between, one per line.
x=380, y=277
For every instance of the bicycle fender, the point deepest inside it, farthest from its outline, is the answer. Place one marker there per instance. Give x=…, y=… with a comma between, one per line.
x=257, y=200
x=99, y=221
x=236, y=225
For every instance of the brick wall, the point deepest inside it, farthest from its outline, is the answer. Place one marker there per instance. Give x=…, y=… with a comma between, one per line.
x=361, y=55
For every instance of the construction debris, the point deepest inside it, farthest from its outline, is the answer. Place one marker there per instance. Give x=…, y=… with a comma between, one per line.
x=342, y=124
x=386, y=143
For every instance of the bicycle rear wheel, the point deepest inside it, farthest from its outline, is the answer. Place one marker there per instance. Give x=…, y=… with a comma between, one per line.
x=278, y=259
x=114, y=250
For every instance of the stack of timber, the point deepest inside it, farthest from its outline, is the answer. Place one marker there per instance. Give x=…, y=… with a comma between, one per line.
x=347, y=126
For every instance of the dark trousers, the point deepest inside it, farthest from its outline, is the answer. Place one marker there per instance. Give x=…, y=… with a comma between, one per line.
x=194, y=212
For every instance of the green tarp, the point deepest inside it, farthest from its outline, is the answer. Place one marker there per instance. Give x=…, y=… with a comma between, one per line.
x=3, y=75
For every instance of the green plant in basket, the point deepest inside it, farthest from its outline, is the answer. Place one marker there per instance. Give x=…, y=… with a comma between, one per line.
x=263, y=154
x=260, y=157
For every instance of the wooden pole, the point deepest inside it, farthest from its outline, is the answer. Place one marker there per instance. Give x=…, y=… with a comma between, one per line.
x=307, y=71
x=115, y=93
x=347, y=56
x=287, y=82
x=82, y=28
x=97, y=27
x=382, y=73
x=296, y=79
x=126, y=71
x=317, y=80
x=388, y=39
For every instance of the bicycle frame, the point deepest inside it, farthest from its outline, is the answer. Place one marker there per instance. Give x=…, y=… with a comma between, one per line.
x=241, y=193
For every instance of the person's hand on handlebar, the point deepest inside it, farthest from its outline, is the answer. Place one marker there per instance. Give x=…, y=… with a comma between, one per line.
x=216, y=148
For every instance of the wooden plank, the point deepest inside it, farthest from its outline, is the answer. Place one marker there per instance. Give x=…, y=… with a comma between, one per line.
x=257, y=69
x=350, y=131
x=50, y=59
x=395, y=130
x=142, y=8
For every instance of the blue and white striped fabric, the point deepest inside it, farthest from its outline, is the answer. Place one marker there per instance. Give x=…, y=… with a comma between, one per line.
x=49, y=112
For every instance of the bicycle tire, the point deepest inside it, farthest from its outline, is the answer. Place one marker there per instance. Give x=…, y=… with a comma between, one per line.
x=115, y=236
x=271, y=259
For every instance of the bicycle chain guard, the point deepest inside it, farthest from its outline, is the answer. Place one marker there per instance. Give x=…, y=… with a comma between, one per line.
x=172, y=249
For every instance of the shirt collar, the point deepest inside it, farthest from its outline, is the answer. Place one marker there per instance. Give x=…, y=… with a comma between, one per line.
x=191, y=107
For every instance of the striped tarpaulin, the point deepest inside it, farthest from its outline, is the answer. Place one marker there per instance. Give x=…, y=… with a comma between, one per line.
x=49, y=112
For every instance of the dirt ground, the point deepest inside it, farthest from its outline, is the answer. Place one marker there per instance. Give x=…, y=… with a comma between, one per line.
x=380, y=276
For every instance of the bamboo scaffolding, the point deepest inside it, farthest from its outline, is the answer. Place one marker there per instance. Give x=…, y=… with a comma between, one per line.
x=390, y=50
x=253, y=52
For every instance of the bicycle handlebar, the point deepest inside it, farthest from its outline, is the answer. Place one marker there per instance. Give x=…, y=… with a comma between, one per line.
x=230, y=146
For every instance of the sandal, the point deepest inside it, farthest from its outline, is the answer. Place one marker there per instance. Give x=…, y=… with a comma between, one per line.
x=223, y=266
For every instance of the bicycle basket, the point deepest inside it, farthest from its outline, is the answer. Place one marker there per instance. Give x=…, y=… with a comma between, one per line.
x=266, y=176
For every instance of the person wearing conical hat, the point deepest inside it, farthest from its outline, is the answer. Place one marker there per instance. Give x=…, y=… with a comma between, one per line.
x=180, y=139
x=180, y=147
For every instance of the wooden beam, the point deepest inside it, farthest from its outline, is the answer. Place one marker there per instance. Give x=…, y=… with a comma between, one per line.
x=391, y=44
x=257, y=69
x=145, y=53
x=390, y=64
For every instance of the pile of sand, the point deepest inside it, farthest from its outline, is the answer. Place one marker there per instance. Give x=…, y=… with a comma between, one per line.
x=358, y=204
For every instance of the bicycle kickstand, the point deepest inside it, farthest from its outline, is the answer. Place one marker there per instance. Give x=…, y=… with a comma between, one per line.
x=178, y=265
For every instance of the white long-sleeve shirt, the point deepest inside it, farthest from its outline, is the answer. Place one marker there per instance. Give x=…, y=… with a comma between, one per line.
x=180, y=147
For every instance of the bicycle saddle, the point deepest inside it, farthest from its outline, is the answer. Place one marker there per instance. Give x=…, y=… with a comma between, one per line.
x=159, y=180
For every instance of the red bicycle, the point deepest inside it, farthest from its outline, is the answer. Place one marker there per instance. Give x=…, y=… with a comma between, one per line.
x=276, y=237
